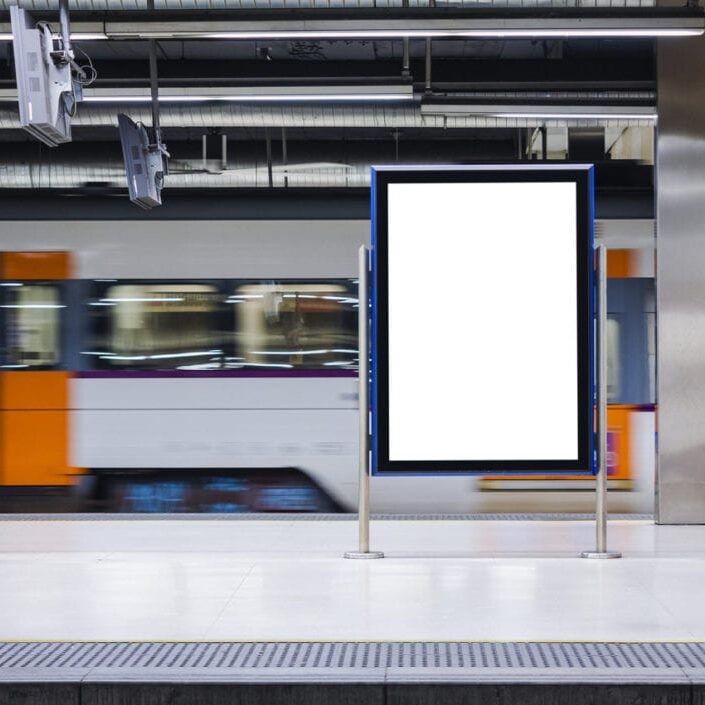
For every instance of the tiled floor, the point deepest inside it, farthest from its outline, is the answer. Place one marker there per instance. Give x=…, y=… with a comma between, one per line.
x=286, y=581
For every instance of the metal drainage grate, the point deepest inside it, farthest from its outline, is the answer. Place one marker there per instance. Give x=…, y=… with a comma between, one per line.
x=471, y=655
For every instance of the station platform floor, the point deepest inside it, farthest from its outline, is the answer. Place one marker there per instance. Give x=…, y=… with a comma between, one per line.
x=185, y=609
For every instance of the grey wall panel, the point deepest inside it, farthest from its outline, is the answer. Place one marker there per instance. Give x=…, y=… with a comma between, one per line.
x=681, y=281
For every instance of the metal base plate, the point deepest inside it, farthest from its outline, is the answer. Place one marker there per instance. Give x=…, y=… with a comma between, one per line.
x=601, y=554
x=363, y=554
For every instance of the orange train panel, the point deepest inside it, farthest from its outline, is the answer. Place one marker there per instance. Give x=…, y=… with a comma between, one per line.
x=34, y=448
x=34, y=390
x=631, y=263
x=618, y=264
x=34, y=429
x=34, y=405
x=35, y=265
x=618, y=461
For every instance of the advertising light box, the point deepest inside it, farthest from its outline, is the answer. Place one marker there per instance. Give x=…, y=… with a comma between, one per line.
x=482, y=319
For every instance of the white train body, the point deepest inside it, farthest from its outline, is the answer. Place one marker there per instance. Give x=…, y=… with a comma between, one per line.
x=265, y=423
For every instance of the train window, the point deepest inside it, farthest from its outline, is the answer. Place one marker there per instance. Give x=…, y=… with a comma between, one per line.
x=32, y=314
x=157, y=326
x=613, y=361
x=295, y=325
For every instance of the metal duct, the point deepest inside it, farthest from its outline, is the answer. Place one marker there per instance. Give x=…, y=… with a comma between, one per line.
x=309, y=165
x=306, y=116
x=72, y=175
x=108, y=5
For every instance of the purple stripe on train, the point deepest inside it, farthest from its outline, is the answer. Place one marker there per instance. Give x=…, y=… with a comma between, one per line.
x=204, y=374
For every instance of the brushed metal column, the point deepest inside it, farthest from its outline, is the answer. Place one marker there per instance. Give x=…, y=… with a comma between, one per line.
x=680, y=281
x=601, y=551
x=363, y=377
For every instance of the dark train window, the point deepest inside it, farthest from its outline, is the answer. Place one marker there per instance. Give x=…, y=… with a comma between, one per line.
x=157, y=326
x=295, y=325
x=32, y=316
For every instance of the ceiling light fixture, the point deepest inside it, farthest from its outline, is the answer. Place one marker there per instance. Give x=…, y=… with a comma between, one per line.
x=352, y=28
x=254, y=94
x=542, y=112
x=439, y=34
x=245, y=94
x=76, y=36
x=283, y=98
x=500, y=27
x=651, y=117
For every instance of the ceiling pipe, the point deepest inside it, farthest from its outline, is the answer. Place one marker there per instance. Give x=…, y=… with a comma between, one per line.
x=384, y=117
x=217, y=5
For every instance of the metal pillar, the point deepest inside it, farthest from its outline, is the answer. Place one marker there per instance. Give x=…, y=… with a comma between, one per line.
x=680, y=285
x=363, y=328
x=601, y=478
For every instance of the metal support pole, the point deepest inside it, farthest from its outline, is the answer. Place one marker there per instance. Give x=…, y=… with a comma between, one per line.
x=601, y=479
x=363, y=326
x=270, y=176
x=285, y=158
x=64, y=26
x=429, y=53
x=406, y=60
x=223, y=151
x=544, y=143
x=529, y=143
x=154, y=90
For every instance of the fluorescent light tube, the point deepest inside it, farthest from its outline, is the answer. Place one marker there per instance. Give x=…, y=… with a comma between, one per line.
x=576, y=116
x=448, y=33
x=77, y=36
x=254, y=94
x=541, y=112
x=572, y=29
x=283, y=98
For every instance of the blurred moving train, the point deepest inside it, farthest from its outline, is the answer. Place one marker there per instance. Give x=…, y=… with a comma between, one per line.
x=159, y=366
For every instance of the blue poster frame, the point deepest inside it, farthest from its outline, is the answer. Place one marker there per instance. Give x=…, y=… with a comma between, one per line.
x=587, y=463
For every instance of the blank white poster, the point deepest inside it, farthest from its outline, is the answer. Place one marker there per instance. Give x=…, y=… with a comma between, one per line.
x=482, y=321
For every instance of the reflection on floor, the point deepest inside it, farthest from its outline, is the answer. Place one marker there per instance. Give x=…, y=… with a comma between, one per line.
x=286, y=581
